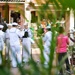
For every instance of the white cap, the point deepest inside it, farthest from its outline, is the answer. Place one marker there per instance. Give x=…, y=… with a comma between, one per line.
x=14, y=23
x=9, y=24
x=48, y=27
x=25, y=24
x=1, y=26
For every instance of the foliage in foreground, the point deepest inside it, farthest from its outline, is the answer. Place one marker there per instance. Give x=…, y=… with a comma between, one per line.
x=33, y=67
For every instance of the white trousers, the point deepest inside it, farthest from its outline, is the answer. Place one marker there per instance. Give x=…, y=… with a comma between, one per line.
x=1, y=46
x=7, y=49
x=26, y=48
x=46, y=53
x=15, y=55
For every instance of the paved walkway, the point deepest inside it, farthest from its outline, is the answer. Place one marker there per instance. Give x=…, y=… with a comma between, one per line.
x=35, y=55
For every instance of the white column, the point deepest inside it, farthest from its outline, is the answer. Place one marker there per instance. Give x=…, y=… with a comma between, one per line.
x=9, y=16
x=27, y=15
x=71, y=19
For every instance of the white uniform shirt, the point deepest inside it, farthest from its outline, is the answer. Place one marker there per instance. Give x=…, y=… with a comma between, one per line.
x=47, y=38
x=2, y=38
x=29, y=32
x=7, y=34
x=14, y=35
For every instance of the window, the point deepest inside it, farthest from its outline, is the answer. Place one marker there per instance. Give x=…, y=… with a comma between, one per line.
x=34, y=17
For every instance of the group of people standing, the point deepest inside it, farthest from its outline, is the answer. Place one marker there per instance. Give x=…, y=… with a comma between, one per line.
x=62, y=44
x=12, y=38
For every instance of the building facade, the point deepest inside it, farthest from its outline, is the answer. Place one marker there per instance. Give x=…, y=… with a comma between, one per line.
x=68, y=14
x=12, y=11
x=20, y=11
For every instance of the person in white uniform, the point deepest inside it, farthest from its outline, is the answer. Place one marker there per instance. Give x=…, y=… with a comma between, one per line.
x=7, y=41
x=2, y=39
x=26, y=43
x=47, y=42
x=14, y=36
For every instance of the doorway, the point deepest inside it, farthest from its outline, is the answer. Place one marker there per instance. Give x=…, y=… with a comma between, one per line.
x=16, y=16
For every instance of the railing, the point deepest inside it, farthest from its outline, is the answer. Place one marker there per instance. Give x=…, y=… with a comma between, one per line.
x=12, y=0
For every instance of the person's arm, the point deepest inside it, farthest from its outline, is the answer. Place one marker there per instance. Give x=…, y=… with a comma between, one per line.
x=4, y=38
x=30, y=33
x=44, y=38
x=72, y=39
x=67, y=40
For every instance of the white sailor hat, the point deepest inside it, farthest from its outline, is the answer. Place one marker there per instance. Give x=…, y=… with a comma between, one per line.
x=25, y=24
x=1, y=26
x=9, y=24
x=14, y=23
x=48, y=27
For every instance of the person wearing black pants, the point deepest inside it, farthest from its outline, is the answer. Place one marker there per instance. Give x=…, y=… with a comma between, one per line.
x=62, y=56
x=61, y=49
